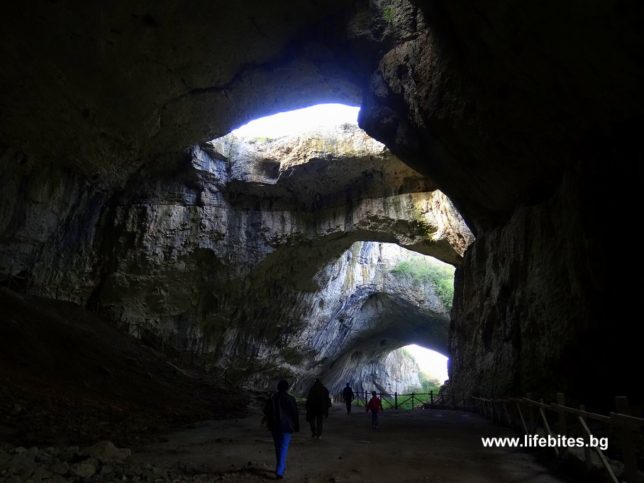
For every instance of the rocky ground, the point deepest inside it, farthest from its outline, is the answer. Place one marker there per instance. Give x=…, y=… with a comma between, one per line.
x=81, y=402
x=68, y=380
x=420, y=446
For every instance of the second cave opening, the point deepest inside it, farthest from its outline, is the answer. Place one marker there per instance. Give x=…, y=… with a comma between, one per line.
x=364, y=271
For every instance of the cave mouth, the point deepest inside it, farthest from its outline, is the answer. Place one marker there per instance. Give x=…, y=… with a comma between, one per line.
x=299, y=120
x=377, y=232
x=432, y=364
x=382, y=297
x=408, y=369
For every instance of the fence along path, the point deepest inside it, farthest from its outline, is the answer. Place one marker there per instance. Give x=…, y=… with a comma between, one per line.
x=528, y=415
x=409, y=401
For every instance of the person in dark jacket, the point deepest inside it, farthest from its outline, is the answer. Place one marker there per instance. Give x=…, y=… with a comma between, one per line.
x=282, y=419
x=317, y=407
x=347, y=395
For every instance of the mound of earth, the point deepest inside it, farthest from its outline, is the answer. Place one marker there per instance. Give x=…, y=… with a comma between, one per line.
x=68, y=377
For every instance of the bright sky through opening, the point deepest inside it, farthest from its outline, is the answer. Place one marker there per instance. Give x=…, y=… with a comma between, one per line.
x=430, y=362
x=300, y=120
x=327, y=116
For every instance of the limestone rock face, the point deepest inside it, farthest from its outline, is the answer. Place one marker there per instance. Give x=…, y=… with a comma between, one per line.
x=538, y=304
x=314, y=168
x=49, y=219
x=192, y=261
x=396, y=372
x=365, y=311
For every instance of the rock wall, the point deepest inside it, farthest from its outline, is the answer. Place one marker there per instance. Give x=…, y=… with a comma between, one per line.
x=395, y=372
x=365, y=312
x=505, y=107
x=541, y=309
x=192, y=260
x=49, y=218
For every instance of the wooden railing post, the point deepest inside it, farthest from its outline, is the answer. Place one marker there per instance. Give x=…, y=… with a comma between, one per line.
x=587, y=454
x=412, y=400
x=623, y=425
x=396, y=400
x=531, y=415
x=626, y=442
x=558, y=451
x=507, y=413
x=561, y=400
x=525, y=426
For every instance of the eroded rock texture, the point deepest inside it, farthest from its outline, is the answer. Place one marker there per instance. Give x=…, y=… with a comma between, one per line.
x=250, y=270
x=397, y=372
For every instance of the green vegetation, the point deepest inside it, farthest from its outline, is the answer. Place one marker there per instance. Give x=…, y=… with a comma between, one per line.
x=388, y=14
x=429, y=385
x=405, y=401
x=422, y=271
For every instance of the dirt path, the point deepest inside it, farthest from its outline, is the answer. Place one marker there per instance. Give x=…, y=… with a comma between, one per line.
x=422, y=446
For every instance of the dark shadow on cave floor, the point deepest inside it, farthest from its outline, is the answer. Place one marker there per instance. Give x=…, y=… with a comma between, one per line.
x=419, y=446
x=63, y=384
x=69, y=378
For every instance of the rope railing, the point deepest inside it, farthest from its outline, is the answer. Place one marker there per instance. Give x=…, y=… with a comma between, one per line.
x=528, y=415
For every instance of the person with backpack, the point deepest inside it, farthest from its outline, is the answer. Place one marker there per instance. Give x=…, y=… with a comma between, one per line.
x=347, y=395
x=317, y=407
x=282, y=418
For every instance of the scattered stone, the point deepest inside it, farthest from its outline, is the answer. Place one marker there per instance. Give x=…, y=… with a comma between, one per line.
x=84, y=469
x=61, y=468
x=41, y=474
x=106, y=452
x=4, y=458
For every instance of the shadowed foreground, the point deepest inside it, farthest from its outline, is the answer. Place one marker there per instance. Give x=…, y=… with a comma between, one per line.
x=420, y=446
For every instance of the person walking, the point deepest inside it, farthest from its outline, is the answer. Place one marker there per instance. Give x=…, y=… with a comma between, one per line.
x=317, y=407
x=282, y=419
x=347, y=395
x=375, y=406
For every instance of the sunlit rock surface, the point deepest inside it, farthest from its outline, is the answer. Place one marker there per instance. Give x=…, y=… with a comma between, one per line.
x=396, y=372
x=365, y=311
x=249, y=270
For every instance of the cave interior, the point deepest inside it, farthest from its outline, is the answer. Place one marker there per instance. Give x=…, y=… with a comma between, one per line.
x=146, y=250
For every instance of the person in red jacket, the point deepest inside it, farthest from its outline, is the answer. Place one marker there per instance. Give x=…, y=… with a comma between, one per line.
x=375, y=406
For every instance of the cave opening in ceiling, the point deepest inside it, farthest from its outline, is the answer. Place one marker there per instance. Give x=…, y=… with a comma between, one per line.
x=300, y=120
x=431, y=363
x=372, y=311
x=362, y=246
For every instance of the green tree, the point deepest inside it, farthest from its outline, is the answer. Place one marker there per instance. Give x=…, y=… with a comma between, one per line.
x=441, y=276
